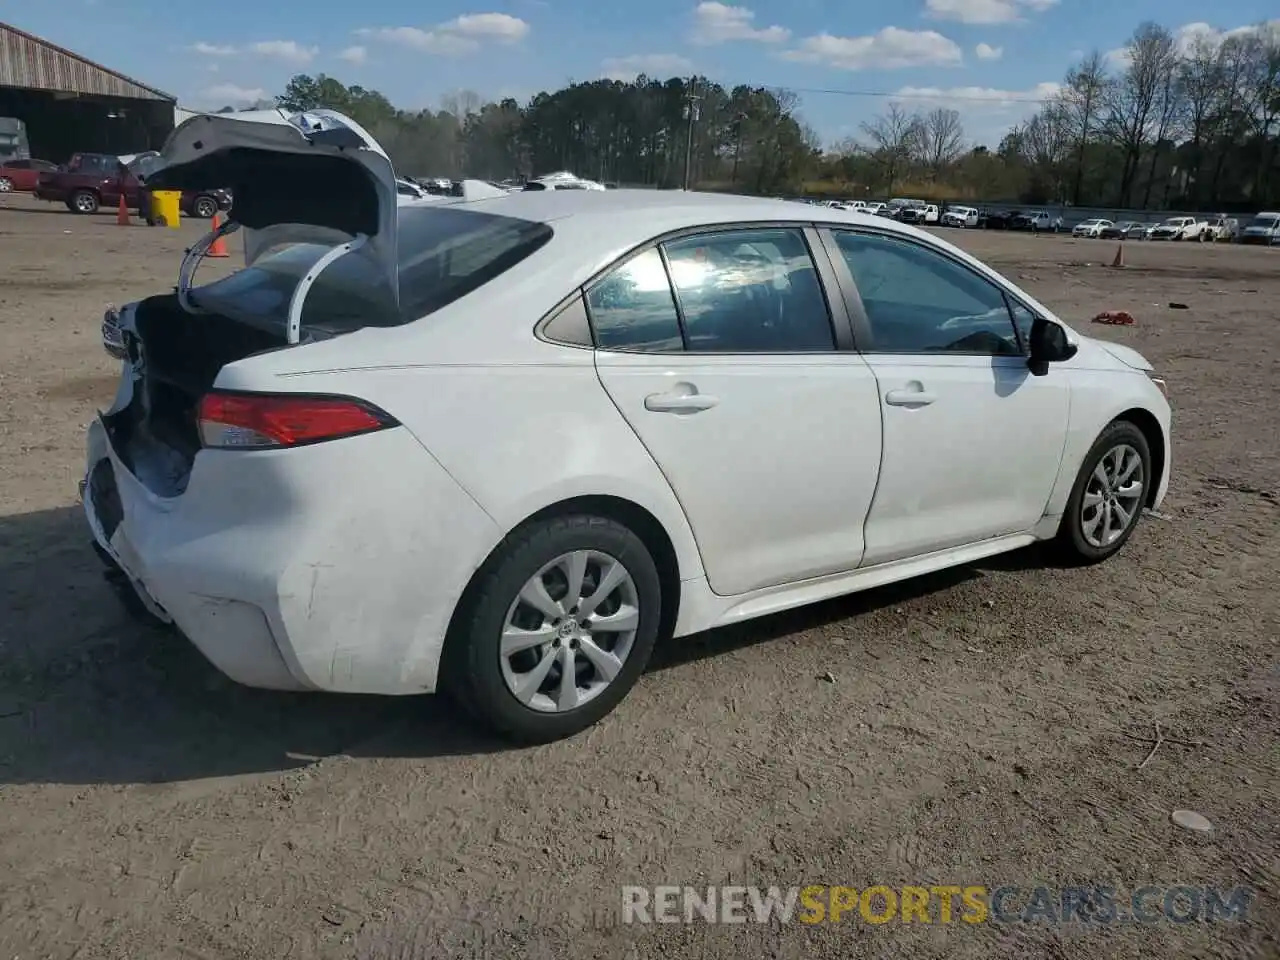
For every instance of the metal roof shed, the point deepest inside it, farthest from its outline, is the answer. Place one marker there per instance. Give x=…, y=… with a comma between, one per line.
x=71, y=104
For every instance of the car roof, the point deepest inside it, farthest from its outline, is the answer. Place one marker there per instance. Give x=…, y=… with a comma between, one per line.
x=629, y=217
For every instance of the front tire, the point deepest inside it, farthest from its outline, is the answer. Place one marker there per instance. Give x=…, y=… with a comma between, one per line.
x=558, y=629
x=6, y=185
x=1109, y=495
x=204, y=207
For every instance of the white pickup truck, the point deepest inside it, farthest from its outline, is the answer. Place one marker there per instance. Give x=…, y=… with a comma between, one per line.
x=956, y=216
x=1178, y=228
x=924, y=213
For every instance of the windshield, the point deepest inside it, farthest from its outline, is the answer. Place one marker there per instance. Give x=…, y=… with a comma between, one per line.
x=1265, y=220
x=444, y=254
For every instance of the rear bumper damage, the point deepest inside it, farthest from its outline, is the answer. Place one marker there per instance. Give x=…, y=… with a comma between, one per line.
x=299, y=569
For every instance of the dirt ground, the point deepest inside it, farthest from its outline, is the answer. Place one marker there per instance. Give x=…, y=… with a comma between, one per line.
x=980, y=727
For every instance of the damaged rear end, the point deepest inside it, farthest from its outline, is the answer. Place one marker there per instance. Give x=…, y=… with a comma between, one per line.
x=315, y=202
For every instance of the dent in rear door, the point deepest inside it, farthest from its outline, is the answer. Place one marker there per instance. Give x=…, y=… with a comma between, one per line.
x=773, y=456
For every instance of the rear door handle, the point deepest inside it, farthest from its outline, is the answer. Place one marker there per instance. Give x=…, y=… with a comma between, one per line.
x=909, y=398
x=683, y=398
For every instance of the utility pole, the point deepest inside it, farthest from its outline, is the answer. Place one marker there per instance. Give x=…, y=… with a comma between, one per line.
x=691, y=112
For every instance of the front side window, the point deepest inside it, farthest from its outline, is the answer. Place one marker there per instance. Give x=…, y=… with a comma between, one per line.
x=919, y=301
x=749, y=291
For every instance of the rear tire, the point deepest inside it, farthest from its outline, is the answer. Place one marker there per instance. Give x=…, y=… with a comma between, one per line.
x=1108, y=497
x=6, y=185
x=505, y=658
x=84, y=202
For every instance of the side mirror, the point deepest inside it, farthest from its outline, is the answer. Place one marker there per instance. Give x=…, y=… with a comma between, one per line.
x=1048, y=345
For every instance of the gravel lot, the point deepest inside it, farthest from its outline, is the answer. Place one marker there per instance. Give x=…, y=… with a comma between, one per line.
x=980, y=727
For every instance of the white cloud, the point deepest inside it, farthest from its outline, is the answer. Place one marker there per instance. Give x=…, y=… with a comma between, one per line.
x=288, y=50
x=459, y=36
x=355, y=55
x=982, y=96
x=1188, y=35
x=660, y=65
x=488, y=26
x=984, y=11
x=715, y=23
x=891, y=48
x=986, y=112
x=228, y=94
x=213, y=49
x=985, y=51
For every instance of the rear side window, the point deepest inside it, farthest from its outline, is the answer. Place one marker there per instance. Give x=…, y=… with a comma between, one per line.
x=632, y=308
x=446, y=253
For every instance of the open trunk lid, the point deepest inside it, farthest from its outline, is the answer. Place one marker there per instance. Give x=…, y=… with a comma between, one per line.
x=316, y=175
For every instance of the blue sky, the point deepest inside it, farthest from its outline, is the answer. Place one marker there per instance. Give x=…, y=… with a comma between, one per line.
x=982, y=57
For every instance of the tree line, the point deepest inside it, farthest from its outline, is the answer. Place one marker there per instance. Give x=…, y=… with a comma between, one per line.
x=1167, y=122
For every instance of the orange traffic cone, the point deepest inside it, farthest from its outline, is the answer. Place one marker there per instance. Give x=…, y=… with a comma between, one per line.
x=1119, y=260
x=219, y=247
x=122, y=213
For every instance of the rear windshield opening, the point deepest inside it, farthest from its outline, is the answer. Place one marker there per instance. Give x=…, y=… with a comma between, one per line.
x=444, y=254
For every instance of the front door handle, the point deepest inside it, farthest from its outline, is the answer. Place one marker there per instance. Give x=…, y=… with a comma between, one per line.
x=682, y=398
x=909, y=398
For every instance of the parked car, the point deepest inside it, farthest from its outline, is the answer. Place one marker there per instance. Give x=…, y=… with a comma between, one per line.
x=1038, y=220
x=999, y=220
x=875, y=207
x=1264, y=228
x=20, y=176
x=1221, y=229
x=1177, y=228
x=637, y=439
x=1091, y=229
x=958, y=216
x=1125, y=230
x=90, y=181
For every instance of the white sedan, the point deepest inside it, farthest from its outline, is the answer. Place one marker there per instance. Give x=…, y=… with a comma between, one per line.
x=498, y=448
x=1091, y=228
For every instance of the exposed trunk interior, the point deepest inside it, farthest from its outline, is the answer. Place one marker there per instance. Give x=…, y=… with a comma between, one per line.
x=156, y=435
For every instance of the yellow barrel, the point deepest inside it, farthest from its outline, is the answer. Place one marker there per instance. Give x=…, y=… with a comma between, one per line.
x=165, y=207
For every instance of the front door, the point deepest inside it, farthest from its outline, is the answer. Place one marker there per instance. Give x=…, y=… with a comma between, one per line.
x=973, y=441
x=719, y=351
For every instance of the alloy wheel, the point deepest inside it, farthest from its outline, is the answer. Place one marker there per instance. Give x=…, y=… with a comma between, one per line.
x=1113, y=496
x=569, y=631
x=6, y=185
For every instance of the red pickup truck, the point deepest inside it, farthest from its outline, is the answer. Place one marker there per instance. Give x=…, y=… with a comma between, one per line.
x=89, y=181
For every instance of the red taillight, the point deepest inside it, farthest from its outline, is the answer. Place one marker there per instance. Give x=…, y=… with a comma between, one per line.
x=253, y=421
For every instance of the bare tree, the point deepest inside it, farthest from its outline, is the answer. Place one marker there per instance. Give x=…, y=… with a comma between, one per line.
x=893, y=137
x=940, y=141
x=1238, y=55
x=1200, y=87
x=461, y=103
x=1082, y=96
x=1264, y=107
x=1167, y=118
x=1131, y=100
x=1045, y=143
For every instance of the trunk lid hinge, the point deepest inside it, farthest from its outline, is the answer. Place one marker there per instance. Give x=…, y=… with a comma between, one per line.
x=191, y=263
x=294, y=329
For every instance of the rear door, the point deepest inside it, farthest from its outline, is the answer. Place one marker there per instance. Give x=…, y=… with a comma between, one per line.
x=720, y=350
x=972, y=441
